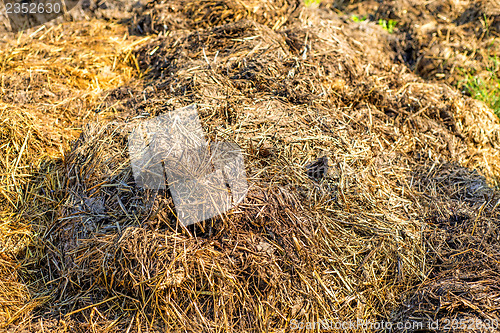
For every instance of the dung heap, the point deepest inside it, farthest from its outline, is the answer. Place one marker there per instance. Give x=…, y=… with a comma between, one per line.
x=404, y=226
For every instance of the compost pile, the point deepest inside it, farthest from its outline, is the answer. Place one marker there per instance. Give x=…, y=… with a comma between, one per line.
x=404, y=226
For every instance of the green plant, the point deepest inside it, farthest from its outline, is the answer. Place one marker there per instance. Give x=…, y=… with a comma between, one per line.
x=358, y=18
x=309, y=3
x=388, y=25
x=486, y=24
x=485, y=89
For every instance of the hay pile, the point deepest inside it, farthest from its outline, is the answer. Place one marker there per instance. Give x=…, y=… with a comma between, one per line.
x=162, y=16
x=50, y=78
x=403, y=227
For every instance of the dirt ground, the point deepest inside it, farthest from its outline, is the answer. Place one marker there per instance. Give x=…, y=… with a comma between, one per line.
x=404, y=227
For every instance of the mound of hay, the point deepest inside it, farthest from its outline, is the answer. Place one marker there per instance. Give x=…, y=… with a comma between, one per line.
x=163, y=16
x=406, y=208
x=49, y=80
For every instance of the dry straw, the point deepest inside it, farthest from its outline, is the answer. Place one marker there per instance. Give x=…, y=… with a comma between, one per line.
x=402, y=227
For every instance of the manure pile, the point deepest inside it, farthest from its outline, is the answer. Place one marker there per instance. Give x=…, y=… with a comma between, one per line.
x=404, y=226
